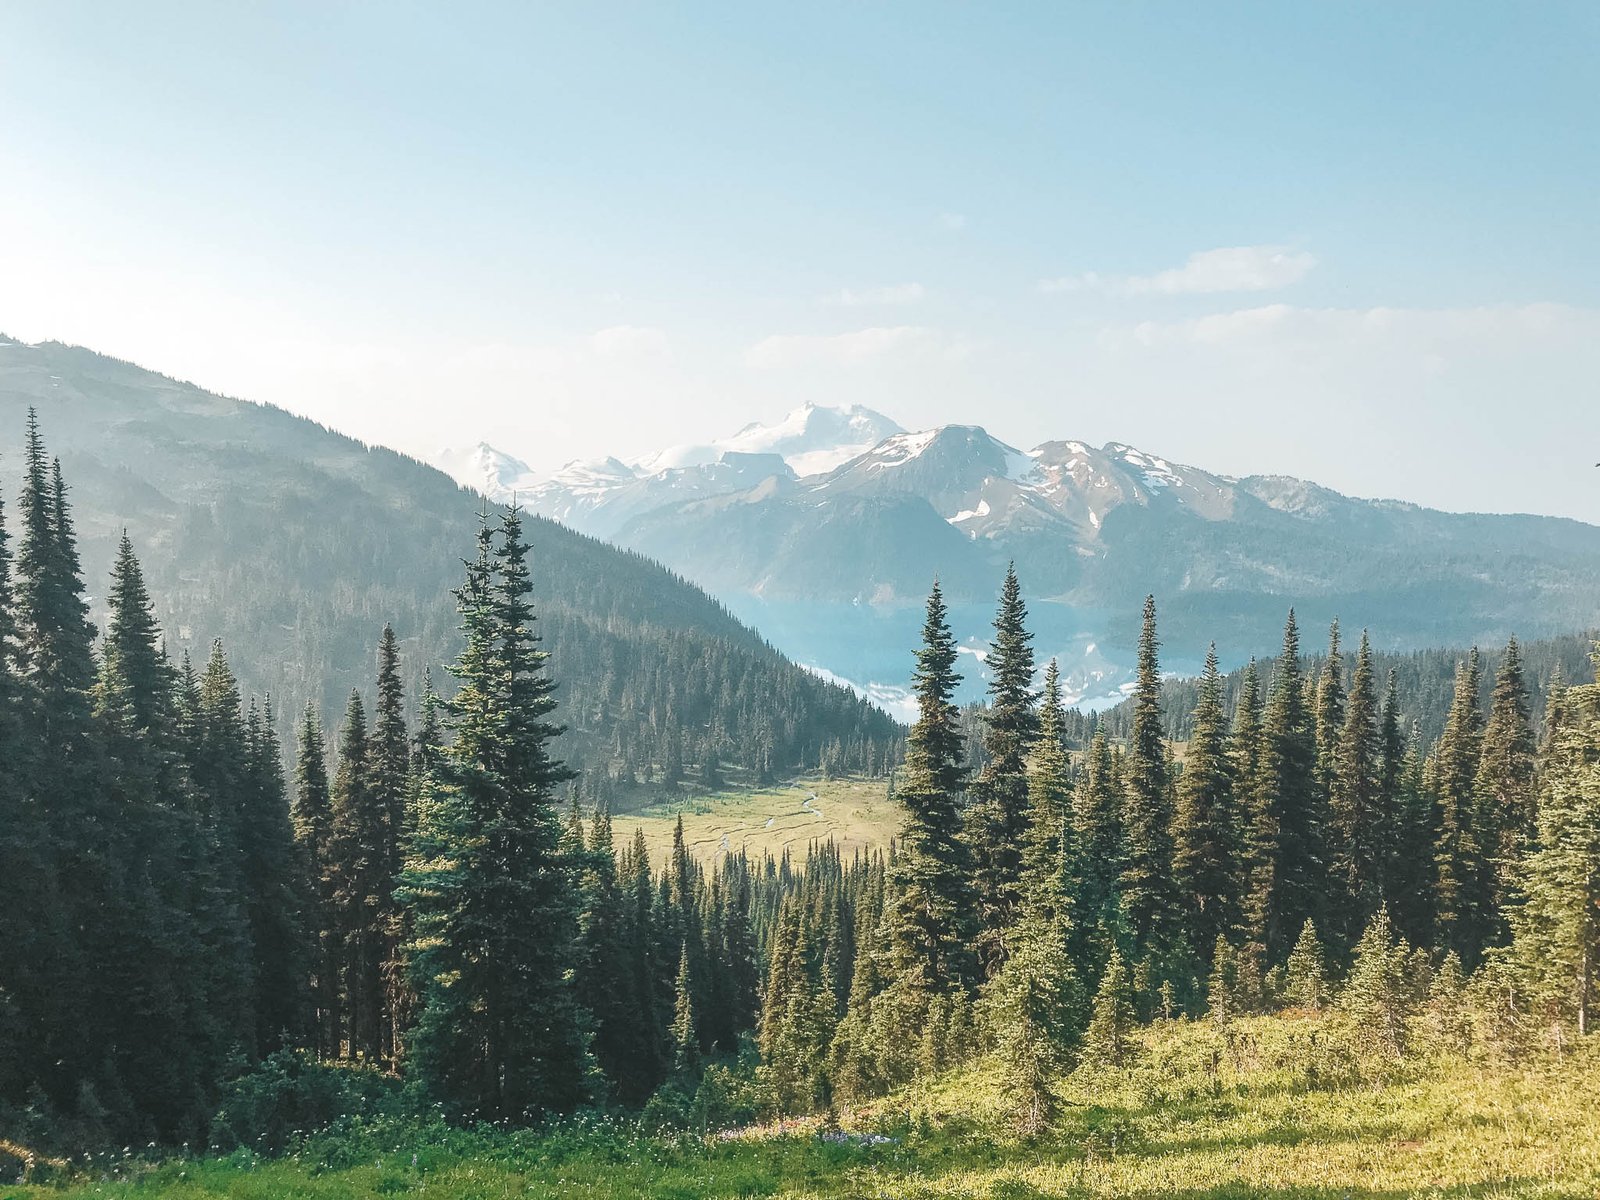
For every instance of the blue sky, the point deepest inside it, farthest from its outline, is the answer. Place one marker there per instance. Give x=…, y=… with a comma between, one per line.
x=1352, y=242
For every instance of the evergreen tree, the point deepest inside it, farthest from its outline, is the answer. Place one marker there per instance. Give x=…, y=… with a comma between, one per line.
x=685, y=1037
x=1458, y=855
x=1096, y=853
x=1505, y=786
x=389, y=778
x=313, y=825
x=1046, y=846
x=1556, y=930
x=499, y=1032
x=1108, y=1041
x=1329, y=717
x=998, y=813
x=278, y=939
x=931, y=912
x=1208, y=849
x=1374, y=997
x=356, y=857
x=1362, y=850
x=1306, y=972
x=1288, y=766
x=1258, y=834
x=1149, y=902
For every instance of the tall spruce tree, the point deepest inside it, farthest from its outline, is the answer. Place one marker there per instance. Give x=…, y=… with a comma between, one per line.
x=313, y=826
x=1258, y=834
x=1299, y=870
x=997, y=816
x=931, y=910
x=1458, y=854
x=1556, y=929
x=356, y=857
x=499, y=1032
x=1207, y=840
x=1505, y=787
x=389, y=777
x=1362, y=853
x=1148, y=894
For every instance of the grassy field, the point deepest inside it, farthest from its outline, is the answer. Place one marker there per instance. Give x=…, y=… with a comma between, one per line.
x=1266, y=1114
x=855, y=813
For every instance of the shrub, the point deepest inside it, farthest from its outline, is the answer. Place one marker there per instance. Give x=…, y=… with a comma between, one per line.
x=290, y=1094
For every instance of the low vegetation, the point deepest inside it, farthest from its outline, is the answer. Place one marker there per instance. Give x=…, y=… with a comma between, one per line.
x=1284, y=1106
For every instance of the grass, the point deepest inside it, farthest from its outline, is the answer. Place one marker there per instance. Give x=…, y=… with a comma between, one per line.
x=855, y=813
x=1272, y=1114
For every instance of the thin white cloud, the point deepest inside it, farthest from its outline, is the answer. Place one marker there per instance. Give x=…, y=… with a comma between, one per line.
x=1226, y=269
x=953, y=221
x=799, y=349
x=630, y=341
x=893, y=294
x=1287, y=326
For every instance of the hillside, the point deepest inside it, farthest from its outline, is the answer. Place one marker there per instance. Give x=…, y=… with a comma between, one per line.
x=294, y=544
x=832, y=562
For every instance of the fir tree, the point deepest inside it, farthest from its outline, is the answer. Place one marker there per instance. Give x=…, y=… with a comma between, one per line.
x=1306, y=972
x=1362, y=851
x=499, y=1032
x=1207, y=841
x=1458, y=854
x=1505, y=786
x=1374, y=997
x=1556, y=930
x=998, y=813
x=356, y=856
x=313, y=825
x=1148, y=896
x=1288, y=766
x=1109, y=1039
x=931, y=917
x=389, y=778
x=685, y=1037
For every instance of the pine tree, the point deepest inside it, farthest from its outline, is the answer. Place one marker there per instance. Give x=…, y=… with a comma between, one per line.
x=1556, y=930
x=1299, y=871
x=389, y=777
x=1306, y=972
x=1046, y=847
x=1362, y=853
x=998, y=813
x=1108, y=1041
x=1505, y=788
x=1258, y=832
x=684, y=1034
x=278, y=938
x=356, y=856
x=1329, y=719
x=1032, y=1007
x=1094, y=863
x=1374, y=997
x=1458, y=854
x=1208, y=849
x=1149, y=902
x=313, y=825
x=499, y=1032
x=931, y=917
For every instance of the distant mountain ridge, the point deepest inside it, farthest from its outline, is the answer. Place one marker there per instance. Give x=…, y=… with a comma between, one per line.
x=296, y=544
x=828, y=563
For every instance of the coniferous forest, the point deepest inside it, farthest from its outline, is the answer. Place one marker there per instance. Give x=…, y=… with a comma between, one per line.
x=209, y=938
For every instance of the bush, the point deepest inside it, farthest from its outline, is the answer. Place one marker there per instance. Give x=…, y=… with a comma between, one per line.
x=290, y=1095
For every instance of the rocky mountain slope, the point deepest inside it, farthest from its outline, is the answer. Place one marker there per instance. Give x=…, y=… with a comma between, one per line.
x=832, y=565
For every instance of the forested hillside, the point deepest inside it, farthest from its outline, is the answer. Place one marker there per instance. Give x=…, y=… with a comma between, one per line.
x=295, y=545
x=1426, y=680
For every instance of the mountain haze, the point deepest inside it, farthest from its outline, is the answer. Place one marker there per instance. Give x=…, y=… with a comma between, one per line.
x=295, y=544
x=834, y=565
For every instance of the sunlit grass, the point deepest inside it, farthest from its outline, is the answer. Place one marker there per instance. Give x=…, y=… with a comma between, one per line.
x=1273, y=1112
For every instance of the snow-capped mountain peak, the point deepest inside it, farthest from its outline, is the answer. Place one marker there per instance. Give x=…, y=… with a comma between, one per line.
x=812, y=439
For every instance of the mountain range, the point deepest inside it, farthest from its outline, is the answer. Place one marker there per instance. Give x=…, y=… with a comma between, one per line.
x=826, y=530
x=295, y=544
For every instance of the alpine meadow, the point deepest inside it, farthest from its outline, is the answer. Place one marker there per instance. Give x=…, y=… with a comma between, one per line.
x=461, y=767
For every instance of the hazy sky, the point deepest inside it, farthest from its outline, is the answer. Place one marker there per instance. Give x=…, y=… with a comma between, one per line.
x=1347, y=241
